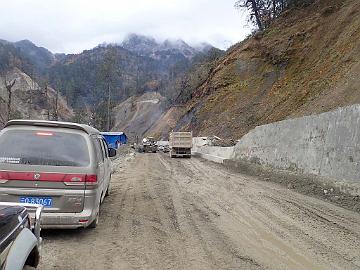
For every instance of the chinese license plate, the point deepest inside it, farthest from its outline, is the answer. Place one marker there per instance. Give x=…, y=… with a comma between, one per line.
x=45, y=201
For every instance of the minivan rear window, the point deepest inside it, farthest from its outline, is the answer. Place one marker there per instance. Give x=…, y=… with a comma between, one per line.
x=35, y=147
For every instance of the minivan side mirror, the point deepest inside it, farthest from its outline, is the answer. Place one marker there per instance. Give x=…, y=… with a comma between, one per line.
x=112, y=152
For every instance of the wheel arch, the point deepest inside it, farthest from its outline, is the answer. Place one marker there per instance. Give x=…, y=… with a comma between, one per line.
x=22, y=251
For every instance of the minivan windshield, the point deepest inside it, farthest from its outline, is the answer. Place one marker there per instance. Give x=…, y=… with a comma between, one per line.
x=34, y=147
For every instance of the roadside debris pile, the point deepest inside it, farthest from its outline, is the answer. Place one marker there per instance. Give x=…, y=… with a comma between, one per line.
x=217, y=141
x=124, y=154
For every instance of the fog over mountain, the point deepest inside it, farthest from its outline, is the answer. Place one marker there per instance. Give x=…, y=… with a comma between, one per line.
x=73, y=26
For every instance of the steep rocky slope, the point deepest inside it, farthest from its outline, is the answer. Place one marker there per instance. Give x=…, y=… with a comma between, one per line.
x=166, y=122
x=138, y=114
x=306, y=62
x=29, y=100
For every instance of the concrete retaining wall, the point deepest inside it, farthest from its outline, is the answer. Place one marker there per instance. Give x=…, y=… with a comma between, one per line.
x=214, y=153
x=326, y=145
x=199, y=141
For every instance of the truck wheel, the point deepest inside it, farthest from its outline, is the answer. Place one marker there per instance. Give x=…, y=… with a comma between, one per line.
x=27, y=267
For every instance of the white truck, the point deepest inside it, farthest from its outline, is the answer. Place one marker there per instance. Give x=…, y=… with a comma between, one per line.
x=180, y=144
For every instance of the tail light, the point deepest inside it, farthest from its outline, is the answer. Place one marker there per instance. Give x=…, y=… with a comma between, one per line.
x=80, y=179
x=91, y=179
x=67, y=179
x=4, y=176
x=74, y=179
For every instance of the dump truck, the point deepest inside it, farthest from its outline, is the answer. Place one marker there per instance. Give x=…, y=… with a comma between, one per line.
x=149, y=144
x=180, y=144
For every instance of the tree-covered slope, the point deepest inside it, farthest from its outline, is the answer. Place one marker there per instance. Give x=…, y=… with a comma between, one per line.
x=86, y=80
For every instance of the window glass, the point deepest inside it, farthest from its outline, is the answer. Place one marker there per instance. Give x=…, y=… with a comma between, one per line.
x=34, y=147
x=98, y=149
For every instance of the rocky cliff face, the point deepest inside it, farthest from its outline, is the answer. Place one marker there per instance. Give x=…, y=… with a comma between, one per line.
x=29, y=100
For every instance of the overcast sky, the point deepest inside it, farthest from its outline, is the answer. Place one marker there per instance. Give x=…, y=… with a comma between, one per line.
x=71, y=26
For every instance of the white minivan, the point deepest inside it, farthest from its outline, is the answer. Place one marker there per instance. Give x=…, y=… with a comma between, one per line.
x=65, y=167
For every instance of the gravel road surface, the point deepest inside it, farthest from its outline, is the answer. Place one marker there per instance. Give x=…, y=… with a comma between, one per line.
x=193, y=214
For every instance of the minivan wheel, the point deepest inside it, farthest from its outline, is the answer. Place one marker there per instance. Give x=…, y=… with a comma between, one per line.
x=108, y=190
x=95, y=222
x=27, y=267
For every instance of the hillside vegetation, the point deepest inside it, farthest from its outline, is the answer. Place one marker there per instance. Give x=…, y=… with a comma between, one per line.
x=306, y=62
x=138, y=65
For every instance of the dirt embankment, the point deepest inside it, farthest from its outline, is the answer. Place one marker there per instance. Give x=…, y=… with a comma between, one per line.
x=306, y=62
x=192, y=214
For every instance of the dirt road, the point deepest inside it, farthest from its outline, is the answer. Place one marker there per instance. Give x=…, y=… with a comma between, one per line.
x=192, y=214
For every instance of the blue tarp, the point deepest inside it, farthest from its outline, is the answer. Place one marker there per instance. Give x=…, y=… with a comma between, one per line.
x=115, y=139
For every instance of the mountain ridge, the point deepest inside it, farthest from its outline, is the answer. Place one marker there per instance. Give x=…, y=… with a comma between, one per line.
x=148, y=46
x=141, y=65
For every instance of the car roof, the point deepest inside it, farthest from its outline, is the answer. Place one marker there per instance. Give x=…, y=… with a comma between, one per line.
x=54, y=124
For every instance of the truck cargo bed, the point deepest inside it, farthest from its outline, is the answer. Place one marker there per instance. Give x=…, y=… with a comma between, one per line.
x=180, y=144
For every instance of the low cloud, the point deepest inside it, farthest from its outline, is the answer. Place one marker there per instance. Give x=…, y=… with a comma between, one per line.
x=74, y=25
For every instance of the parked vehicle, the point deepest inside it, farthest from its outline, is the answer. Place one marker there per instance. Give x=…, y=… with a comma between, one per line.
x=163, y=148
x=20, y=241
x=180, y=144
x=140, y=148
x=63, y=166
x=149, y=144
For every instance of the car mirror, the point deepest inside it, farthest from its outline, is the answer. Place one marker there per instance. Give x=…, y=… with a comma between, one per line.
x=112, y=152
